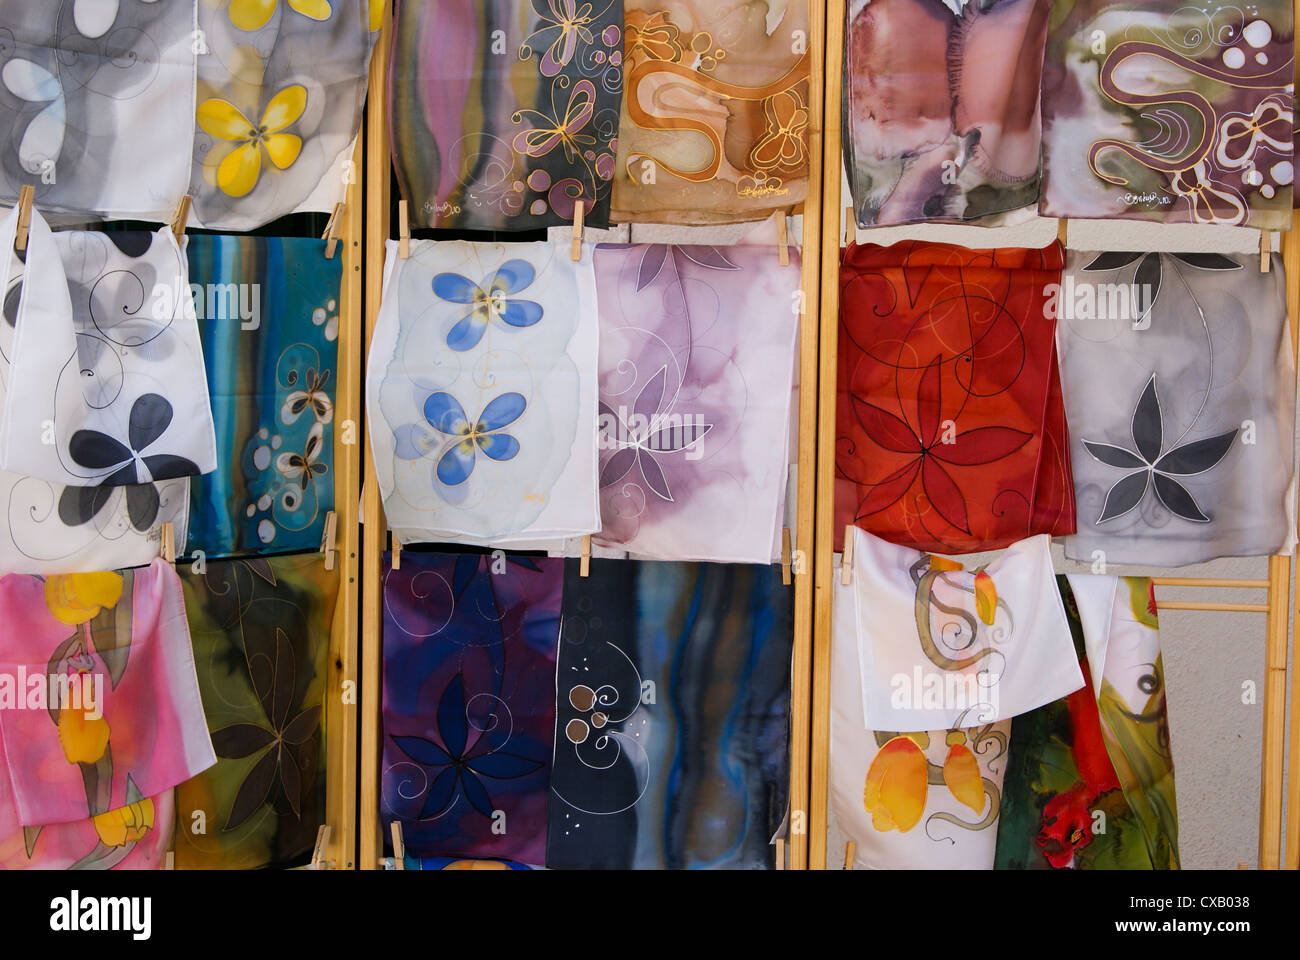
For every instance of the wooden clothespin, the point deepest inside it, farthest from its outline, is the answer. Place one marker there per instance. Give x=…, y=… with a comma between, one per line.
x=328, y=539
x=181, y=218
x=403, y=230
x=846, y=558
x=575, y=254
x=318, y=861
x=170, y=862
x=26, y=197
x=331, y=235
x=1265, y=251
x=1243, y=865
x=1062, y=230
x=850, y=226
x=397, y=552
x=584, y=558
x=167, y=536
x=850, y=849
x=399, y=847
x=785, y=556
x=780, y=853
x=782, y=241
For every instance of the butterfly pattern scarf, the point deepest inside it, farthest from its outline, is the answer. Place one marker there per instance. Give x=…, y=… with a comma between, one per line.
x=469, y=703
x=1165, y=111
x=268, y=313
x=261, y=632
x=110, y=713
x=1187, y=454
x=504, y=113
x=481, y=391
x=942, y=115
x=950, y=428
x=1100, y=756
x=716, y=110
x=694, y=411
x=672, y=717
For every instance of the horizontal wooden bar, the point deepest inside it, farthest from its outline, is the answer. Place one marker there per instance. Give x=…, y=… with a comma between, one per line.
x=1209, y=582
x=1210, y=605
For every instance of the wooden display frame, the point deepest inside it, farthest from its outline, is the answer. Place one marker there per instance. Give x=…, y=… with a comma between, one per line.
x=374, y=537
x=1277, y=606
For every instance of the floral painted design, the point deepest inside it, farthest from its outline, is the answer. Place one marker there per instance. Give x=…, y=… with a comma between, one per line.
x=1153, y=465
x=900, y=775
x=445, y=414
x=254, y=14
x=563, y=26
x=151, y=415
x=237, y=174
x=490, y=301
x=1149, y=274
x=125, y=825
x=76, y=598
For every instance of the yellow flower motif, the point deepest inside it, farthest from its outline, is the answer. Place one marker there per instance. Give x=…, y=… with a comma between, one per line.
x=76, y=598
x=986, y=597
x=254, y=14
x=961, y=773
x=126, y=824
x=84, y=739
x=237, y=175
x=896, y=786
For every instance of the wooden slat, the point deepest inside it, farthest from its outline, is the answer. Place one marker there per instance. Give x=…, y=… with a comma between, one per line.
x=375, y=529
x=823, y=540
x=1291, y=265
x=1213, y=605
x=1210, y=582
x=1274, y=736
x=801, y=739
x=341, y=709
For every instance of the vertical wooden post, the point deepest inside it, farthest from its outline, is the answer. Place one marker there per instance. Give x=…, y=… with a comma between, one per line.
x=1278, y=627
x=375, y=529
x=801, y=735
x=824, y=538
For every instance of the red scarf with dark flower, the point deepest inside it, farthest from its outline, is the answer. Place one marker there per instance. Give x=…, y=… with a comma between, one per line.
x=950, y=429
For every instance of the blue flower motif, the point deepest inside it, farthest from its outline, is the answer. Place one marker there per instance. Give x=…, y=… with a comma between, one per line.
x=489, y=300
x=459, y=769
x=447, y=416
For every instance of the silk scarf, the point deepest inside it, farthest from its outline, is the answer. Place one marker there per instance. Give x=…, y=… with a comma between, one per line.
x=481, y=392
x=504, y=113
x=269, y=316
x=47, y=528
x=261, y=631
x=672, y=717
x=1090, y=778
x=104, y=383
x=280, y=89
x=469, y=703
x=716, y=109
x=942, y=107
x=1165, y=111
x=694, y=411
x=1186, y=453
x=941, y=647
x=99, y=706
x=134, y=837
x=94, y=99
x=915, y=800
x=950, y=428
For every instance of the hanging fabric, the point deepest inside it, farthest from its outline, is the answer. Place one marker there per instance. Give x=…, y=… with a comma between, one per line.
x=269, y=320
x=950, y=429
x=97, y=105
x=1168, y=112
x=469, y=706
x=1090, y=778
x=281, y=87
x=504, y=113
x=716, y=110
x=261, y=632
x=694, y=410
x=118, y=717
x=1186, y=454
x=941, y=107
x=134, y=837
x=105, y=384
x=481, y=392
x=672, y=717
